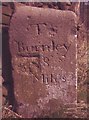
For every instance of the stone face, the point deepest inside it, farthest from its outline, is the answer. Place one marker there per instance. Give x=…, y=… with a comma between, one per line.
x=43, y=49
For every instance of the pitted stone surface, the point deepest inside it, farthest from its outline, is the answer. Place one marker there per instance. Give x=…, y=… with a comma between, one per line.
x=43, y=49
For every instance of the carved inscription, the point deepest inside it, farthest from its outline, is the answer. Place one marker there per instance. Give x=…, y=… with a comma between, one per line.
x=40, y=59
x=42, y=46
x=43, y=60
x=32, y=66
x=48, y=48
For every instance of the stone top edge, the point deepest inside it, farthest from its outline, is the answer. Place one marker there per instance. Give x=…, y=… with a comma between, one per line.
x=31, y=9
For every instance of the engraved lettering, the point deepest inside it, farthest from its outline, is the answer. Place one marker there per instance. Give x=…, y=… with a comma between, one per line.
x=53, y=79
x=34, y=48
x=38, y=29
x=20, y=46
x=45, y=78
x=45, y=61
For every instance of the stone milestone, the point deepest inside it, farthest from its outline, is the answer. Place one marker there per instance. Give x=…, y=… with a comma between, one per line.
x=43, y=49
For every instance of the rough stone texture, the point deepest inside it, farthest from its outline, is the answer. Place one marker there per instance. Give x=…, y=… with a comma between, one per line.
x=43, y=49
x=0, y=96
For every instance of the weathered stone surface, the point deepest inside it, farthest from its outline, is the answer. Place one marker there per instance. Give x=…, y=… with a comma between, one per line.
x=43, y=49
x=5, y=19
x=6, y=10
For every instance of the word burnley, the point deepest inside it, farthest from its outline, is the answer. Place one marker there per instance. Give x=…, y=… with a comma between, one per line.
x=43, y=50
